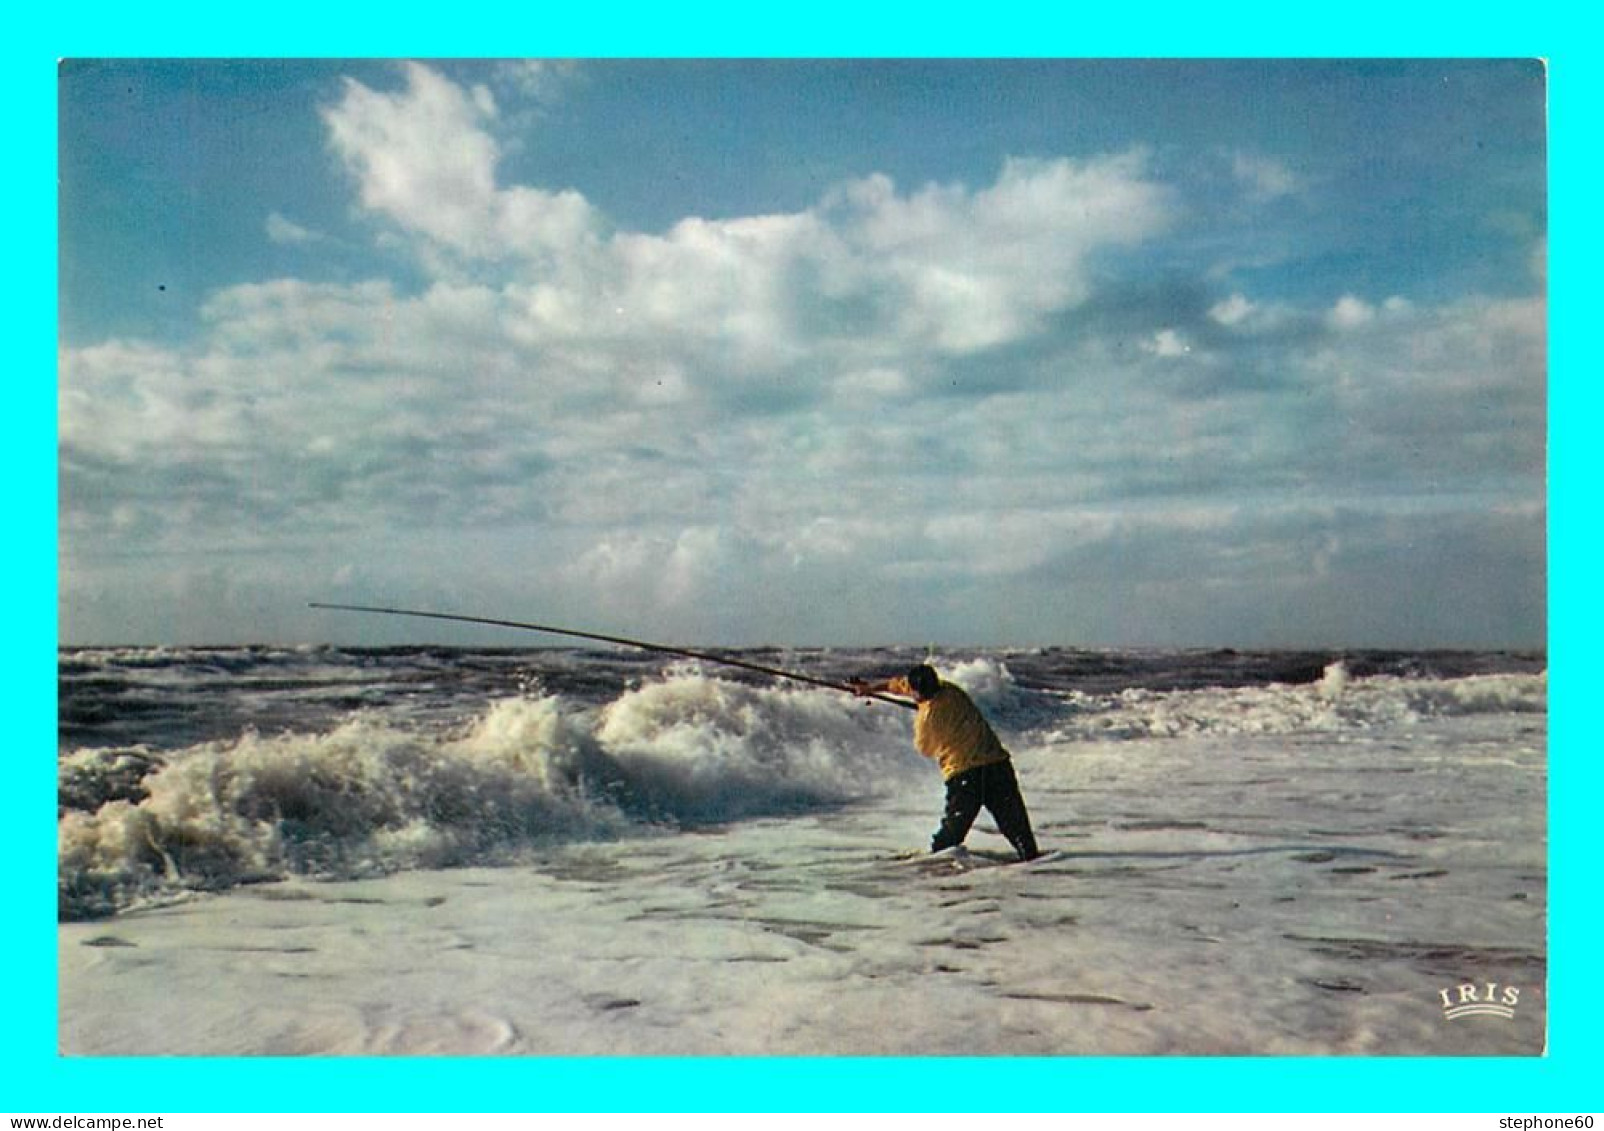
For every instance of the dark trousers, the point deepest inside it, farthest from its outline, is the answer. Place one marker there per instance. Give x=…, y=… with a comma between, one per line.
x=995, y=787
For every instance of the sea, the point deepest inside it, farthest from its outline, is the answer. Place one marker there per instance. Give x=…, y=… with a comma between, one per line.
x=609, y=850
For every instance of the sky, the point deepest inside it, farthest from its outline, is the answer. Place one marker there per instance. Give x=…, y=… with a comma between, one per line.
x=1023, y=352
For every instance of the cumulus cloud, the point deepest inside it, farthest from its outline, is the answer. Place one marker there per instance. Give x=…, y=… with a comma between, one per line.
x=972, y=269
x=1167, y=343
x=423, y=158
x=1351, y=313
x=945, y=267
x=1232, y=311
x=946, y=389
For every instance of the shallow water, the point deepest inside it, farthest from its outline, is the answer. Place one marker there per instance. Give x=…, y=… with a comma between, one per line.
x=1273, y=869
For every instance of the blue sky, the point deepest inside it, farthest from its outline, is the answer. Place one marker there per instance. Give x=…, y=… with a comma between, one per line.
x=1012, y=352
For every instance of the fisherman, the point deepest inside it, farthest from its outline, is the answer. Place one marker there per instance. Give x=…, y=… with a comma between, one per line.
x=950, y=729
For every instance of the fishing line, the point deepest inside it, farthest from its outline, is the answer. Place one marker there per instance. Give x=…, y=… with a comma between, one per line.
x=624, y=640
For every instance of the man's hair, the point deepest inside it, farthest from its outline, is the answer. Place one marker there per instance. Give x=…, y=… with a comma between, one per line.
x=924, y=681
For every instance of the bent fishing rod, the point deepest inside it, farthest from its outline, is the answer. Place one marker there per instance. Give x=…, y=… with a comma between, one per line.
x=624, y=640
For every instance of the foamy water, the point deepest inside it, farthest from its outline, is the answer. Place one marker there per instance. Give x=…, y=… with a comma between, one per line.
x=518, y=855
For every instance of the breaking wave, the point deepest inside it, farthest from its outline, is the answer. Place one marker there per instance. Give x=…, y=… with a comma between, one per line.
x=371, y=796
x=1337, y=701
x=379, y=762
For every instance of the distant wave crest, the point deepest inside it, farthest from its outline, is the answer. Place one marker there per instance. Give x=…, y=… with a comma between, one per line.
x=1338, y=701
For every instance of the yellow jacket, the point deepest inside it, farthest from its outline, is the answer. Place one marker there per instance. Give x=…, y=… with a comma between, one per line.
x=950, y=729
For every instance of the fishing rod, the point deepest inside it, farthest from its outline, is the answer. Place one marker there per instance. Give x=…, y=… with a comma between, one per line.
x=624, y=640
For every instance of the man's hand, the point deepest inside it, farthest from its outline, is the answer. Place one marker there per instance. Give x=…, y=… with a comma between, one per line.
x=860, y=688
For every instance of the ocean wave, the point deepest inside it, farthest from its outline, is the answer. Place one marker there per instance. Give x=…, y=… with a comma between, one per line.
x=1337, y=701
x=372, y=796
x=485, y=761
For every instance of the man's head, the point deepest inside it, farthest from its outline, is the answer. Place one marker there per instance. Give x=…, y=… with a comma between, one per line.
x=924, y=681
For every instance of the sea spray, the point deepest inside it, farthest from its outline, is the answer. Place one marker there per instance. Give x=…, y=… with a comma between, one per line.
x=367, y=797
x=1337, y=702
x=185, y=770
x=696, y=748
x=1334, y=681
x=371, y=796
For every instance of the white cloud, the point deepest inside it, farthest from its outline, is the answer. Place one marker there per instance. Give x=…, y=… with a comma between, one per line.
x=543, y=80
x=419, y=156
x=978, y=268
x=1232, y=311
x=945, y=268
x=1351, y=313
x=1167, y=343
x=1264, y=178
x=423, y=158
x=1246, y=317
x=285, y=231
x=778, y=412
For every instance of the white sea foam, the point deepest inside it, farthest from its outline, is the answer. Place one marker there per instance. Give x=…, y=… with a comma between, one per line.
x=1241, y=895
x=372, y=796
x=648, y=861
x=706, y=749
x=1336, y=702
x=403, y=787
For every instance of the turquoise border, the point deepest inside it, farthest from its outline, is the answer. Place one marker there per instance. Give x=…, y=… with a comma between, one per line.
x=37, y=1080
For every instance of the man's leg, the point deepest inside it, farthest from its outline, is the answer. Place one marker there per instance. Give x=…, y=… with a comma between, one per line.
x=1007, y=807
x=964, y=798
